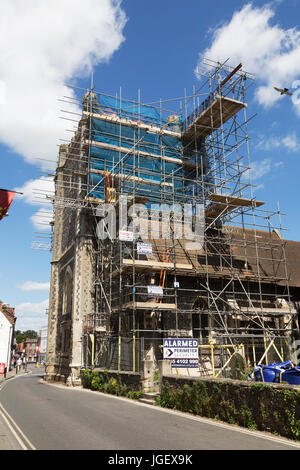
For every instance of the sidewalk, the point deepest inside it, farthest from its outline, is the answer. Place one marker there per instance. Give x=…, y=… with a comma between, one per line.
x=8, y=440
x=12, y=373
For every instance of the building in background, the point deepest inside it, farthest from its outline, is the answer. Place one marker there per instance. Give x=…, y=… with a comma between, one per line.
x=7, y=326
x=29, y=348
x=42, y=344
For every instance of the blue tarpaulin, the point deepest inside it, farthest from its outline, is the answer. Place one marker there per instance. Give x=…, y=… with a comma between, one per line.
x=278, y=372
x=139, y=161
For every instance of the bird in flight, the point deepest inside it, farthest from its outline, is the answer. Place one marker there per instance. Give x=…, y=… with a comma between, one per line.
x=283, y=91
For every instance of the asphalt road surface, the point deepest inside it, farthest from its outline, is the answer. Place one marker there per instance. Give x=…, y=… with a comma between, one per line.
x=37, y=416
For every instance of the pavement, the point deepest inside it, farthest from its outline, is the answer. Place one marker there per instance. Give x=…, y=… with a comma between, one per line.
x=12, y=373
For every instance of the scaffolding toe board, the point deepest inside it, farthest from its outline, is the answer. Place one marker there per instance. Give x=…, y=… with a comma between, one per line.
x=149, y=306
x=222, y=204
x=216, y=114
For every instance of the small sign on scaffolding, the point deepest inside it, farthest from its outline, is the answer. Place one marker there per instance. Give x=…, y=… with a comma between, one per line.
x=155, y=291
x=144, y=248
x=125, y=236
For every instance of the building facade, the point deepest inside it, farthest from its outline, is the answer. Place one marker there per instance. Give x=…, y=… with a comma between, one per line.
x=158, y=234
x=42, y=348
x=7, y=325
x=29, y=349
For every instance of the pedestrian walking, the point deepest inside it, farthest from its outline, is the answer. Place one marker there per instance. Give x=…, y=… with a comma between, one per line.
x=24, y=364
x=19, y=363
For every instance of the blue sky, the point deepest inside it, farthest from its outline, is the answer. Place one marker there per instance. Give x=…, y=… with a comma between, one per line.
x=152, y=46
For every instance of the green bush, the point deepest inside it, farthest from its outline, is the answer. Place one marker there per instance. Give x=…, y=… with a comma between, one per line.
x=86, y=378
x=134, y=394
x=102, y=382
x=97, y=381
x=259, y=407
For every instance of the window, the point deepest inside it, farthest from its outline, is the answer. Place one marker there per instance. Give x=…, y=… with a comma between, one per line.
x=67, y=293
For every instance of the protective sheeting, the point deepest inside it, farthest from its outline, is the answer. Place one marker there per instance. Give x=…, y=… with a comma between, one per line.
x=128, y=109
x=200, y=158
x=126, y=136
x=145, y=165
x=133, y=110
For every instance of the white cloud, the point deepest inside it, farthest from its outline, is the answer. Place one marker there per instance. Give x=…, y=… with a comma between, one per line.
x=2, y=93
x=266, y=49
x=43, y=44
x=289, y=142
x=29, y=307
x=260, y=169
x=41, y=219
x=34, y=286
x=31, y=316
x=31, y=323
x=269, y=143
x=35, y=192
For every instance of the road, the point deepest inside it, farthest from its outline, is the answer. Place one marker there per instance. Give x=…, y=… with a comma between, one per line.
x=37, y=415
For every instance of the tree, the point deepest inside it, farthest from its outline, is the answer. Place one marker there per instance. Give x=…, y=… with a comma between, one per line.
x=31, y=334
x=21, y=336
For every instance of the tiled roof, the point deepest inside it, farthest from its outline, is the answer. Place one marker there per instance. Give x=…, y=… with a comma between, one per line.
x=247, y=254
x=8, y=312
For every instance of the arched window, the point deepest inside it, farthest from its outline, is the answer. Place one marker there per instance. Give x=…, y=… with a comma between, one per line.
x=67, y=293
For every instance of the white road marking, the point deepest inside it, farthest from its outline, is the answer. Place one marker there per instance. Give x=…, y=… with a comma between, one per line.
x=10, y=423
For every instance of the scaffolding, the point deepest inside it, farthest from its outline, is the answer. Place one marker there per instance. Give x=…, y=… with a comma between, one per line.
x=135, y=158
